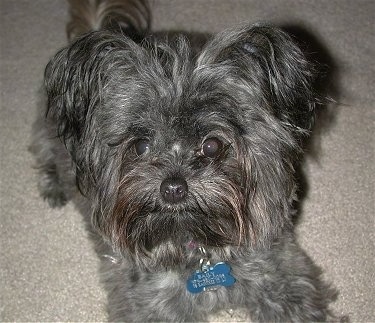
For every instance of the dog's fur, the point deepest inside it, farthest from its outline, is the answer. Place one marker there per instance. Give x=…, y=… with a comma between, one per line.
x=128, y=109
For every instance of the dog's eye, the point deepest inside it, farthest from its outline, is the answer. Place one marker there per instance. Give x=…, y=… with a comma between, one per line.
x=211, y=147
x=142, y=147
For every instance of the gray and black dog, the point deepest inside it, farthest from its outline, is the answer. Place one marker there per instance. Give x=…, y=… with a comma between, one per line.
x=182, y=150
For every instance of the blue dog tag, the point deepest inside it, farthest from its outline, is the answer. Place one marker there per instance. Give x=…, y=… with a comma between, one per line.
x=210, y=278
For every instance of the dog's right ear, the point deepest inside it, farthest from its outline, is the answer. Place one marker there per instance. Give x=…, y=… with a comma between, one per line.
x=75, y=79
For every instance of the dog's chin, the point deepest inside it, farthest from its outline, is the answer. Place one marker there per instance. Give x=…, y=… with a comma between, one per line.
x=173, y=254
x=157, y=232
x=170, y=240
x=165, y=255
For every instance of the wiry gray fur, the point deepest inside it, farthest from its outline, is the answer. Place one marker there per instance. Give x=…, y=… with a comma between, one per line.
x=248, y=87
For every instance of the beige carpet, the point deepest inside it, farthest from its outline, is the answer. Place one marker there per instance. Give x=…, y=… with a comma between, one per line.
x=48, y=269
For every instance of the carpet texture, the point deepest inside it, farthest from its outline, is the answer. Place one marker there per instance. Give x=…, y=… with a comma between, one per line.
x=48, y=268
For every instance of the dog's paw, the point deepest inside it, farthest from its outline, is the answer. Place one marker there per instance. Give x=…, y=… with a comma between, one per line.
x=51, y=190
x=55, y=199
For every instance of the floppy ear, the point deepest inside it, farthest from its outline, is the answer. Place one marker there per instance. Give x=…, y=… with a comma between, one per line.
x=75, y=79
x=72, y=80
x=268, y=59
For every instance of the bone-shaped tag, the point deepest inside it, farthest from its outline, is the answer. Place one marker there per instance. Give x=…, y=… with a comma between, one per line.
x=212, y=277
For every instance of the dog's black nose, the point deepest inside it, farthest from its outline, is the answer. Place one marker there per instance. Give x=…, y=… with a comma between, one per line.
x=173, y=190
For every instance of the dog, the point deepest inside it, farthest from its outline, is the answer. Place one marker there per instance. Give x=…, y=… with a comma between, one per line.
x=180, y=150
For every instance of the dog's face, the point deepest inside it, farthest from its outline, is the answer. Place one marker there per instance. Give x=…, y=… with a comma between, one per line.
x=173, y=149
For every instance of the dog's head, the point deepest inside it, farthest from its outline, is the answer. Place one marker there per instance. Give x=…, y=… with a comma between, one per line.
x=172, y=148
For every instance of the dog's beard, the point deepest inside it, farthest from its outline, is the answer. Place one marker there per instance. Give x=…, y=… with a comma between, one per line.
x=213, y=215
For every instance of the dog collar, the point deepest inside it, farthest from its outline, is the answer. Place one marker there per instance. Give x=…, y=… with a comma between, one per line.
x=209, y=277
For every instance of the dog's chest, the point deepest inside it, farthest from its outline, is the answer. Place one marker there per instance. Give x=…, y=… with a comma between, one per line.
x=171, y=281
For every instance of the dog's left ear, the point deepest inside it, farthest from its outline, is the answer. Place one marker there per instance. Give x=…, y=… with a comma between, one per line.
x=265, y=57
